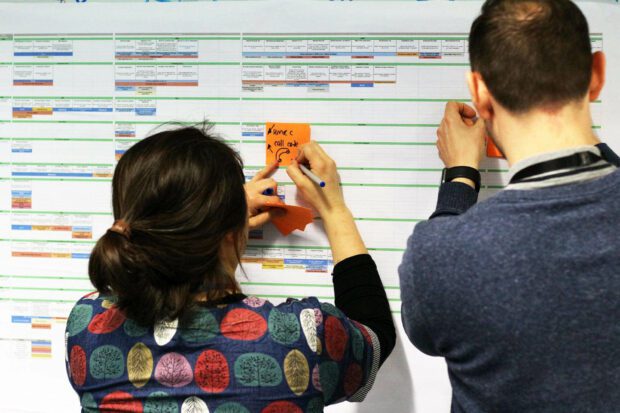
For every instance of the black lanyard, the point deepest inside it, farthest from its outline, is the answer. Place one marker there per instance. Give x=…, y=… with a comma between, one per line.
x=583, y=160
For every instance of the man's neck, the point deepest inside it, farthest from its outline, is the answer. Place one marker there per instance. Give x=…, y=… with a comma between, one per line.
x=540, y=131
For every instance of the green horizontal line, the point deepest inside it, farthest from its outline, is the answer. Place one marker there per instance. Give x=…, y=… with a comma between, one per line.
x=40, y=277
x=175, y=123
x=63, y=63
x=287, y=284
x=306, y=247
x=494, y=170
x=391, y=185
x=120, y=62
x=391, y=219
x=494, y=186
x=275, y=63
x=45, y=289
x=371, y=37
x=352, y=168
x=47, y=240
x=65, y=97
x=352, y=38
x=176, y=98
x=54, y=164
x=36, y=300
x=179, y=38
x=92, y=122
x=404, y=125
x=358, y=143
x=59, y=179
x=356, y=168
x=268, y=284
x=303, y=247
x=29, y=39
x=375, y=185
x=356, y=100
x=377, y=143
x=58, y=139
x=31, y=212
x=324, y=297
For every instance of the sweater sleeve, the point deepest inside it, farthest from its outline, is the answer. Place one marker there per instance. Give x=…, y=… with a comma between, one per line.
x=361, y=297
x=454, y=199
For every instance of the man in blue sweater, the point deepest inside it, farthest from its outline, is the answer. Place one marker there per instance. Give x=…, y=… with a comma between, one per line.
x=521, y=293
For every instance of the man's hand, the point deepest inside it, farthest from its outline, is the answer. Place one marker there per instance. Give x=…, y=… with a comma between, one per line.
x=460, y=137
x=258, y=214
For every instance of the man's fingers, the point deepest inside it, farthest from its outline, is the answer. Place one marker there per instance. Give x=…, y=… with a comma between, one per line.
x=466, y=111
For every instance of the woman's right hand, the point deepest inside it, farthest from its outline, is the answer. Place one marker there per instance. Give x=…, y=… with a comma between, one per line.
x=327, y=200
x=342, y=233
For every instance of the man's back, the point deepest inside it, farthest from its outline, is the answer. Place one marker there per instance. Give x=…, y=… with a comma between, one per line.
x=521, y=295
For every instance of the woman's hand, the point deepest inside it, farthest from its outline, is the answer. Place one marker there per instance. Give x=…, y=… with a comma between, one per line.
x=258, y=213
x=328, y=199
x=344, y=238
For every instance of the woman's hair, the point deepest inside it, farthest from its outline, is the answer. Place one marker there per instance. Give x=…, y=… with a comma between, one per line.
x=179, y=192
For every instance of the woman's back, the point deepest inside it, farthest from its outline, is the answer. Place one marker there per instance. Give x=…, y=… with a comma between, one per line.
x=240, y=354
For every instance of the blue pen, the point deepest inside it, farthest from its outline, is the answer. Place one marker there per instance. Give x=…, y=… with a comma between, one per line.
x=312, y=176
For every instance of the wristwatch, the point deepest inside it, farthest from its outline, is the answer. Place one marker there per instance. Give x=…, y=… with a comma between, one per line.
x=450, y=174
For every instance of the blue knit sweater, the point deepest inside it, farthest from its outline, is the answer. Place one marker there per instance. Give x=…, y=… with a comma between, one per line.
x=521, y=295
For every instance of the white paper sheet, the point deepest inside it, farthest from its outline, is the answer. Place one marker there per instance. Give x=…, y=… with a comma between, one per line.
x=79, y=85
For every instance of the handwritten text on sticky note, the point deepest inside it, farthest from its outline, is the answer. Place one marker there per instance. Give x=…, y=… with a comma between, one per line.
x=283, y=141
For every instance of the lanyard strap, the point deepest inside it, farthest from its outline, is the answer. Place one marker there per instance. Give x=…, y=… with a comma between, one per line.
x=577, y=160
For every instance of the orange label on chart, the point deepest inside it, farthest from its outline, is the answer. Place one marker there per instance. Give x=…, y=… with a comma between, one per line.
x=492, y=150
x=283, y=141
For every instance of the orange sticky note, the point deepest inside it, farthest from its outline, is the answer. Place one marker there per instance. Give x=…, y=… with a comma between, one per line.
x=283, y=141
x=295, y=217
x=492, y=150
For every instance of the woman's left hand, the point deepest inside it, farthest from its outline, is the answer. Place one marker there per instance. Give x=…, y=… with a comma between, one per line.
x=258, y=213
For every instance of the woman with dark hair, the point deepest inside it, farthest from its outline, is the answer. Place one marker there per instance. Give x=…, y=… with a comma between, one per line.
x=169, y=329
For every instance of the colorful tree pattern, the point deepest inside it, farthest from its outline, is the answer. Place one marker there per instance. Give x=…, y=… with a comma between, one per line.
x=77, y=363
x=139, y=365
x=107, y=362
x=160, y=402
x=79, y=318
x=120, y=401
x=283, y=327
x=243, y=324
x=173, y=370
x=335, y=338
x=212, y=373
x=201, y=326
x=282, y=407
x=223, y=355
x=107, y=321
x=296, y=371
x=133, y=329
x=257, y=369
x=194, y=405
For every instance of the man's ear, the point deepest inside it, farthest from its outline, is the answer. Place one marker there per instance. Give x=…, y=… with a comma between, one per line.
x=480, y=95
x=598, y=75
